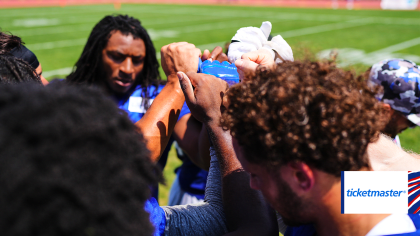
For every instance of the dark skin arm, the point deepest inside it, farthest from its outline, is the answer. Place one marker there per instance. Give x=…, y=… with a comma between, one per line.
x=159, y=121
x=191, y=134
x=188, y=133
x=247, y=214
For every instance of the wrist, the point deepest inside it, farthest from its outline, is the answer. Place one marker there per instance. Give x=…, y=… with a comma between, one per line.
x=172, y=78
x=213, y=124
x=175, y=87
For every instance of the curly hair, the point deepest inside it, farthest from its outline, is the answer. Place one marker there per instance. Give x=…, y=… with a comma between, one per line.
x=89, y=69
x=70, y=164
x=8, y=42
x=15, y=70
x=305, y=111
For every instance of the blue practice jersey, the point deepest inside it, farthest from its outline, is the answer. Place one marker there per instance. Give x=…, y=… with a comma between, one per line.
x=134, y=105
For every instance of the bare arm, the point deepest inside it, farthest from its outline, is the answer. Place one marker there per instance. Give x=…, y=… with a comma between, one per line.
x=384, y=155
x=160, y=119
x=188, y=133
x=245, y=209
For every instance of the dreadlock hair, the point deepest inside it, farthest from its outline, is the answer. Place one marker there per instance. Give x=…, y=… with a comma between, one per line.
x=89, y=70
x=8, y=42
x=14, y=70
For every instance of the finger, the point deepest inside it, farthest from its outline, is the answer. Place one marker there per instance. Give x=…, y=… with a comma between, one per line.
x=186, y=87
x=215, y=53
x=246, y=65
x=222, y=57
x=206, y=55
x=225, y=101
x=258, y=57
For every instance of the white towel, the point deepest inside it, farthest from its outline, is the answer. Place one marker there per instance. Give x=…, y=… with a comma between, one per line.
x=250, y=39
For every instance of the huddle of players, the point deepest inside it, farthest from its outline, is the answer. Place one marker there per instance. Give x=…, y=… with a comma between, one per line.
x=293, y=127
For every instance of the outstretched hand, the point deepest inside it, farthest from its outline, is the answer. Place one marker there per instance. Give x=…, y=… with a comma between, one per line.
x=205, y=100
x=180, y=56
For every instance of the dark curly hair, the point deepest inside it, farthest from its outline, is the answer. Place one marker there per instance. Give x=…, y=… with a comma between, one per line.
x=305, y=111
x=71, y=163
x=89, y=69
x=15, y=70
x=8, y=42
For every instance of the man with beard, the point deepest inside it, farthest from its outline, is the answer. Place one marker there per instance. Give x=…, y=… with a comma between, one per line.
x=295, y=128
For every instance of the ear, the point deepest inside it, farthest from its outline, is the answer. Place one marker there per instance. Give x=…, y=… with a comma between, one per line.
x=302, y=177
x=388, y=108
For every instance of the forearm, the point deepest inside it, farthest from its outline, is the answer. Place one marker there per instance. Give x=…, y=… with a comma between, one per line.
x=200, y=219
x=246, y=210
x=203, y=148
x=192, y=137
x=158, y=122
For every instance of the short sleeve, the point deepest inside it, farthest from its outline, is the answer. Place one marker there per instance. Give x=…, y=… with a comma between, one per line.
x=184, y=111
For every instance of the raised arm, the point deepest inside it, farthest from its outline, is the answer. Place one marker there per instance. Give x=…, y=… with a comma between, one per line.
x=190, y=133
x=158, y=122
x=246, y=211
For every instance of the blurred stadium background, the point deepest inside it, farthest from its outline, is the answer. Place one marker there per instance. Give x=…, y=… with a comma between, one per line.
x=56, y=31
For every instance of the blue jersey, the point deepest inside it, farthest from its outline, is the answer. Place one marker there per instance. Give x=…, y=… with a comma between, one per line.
x=309, y=230
x=157, y=216
x=135, y=106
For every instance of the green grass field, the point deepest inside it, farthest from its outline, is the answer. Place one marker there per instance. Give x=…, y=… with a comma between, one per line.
x=57, y=35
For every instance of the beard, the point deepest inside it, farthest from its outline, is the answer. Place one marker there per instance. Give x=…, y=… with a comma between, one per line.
x=291, y=208
x=391, y=129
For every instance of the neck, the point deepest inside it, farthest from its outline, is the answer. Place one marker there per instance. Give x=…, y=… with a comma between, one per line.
x=330, y=221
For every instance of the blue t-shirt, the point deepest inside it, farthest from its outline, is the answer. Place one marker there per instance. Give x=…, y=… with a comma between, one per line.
x=157, y=216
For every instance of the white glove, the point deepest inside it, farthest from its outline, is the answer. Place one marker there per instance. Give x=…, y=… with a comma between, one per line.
x=250, y=39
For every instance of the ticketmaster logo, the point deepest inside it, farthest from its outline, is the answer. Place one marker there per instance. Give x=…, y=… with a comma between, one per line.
x=374, y=193
x=377, y=192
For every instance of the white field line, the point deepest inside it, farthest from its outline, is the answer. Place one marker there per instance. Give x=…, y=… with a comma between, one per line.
x=57, y=44
x=400, y=46
x=88, y=27
x=30, y=12
x=62, y=71
x=319, y=29
x=381, y=54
